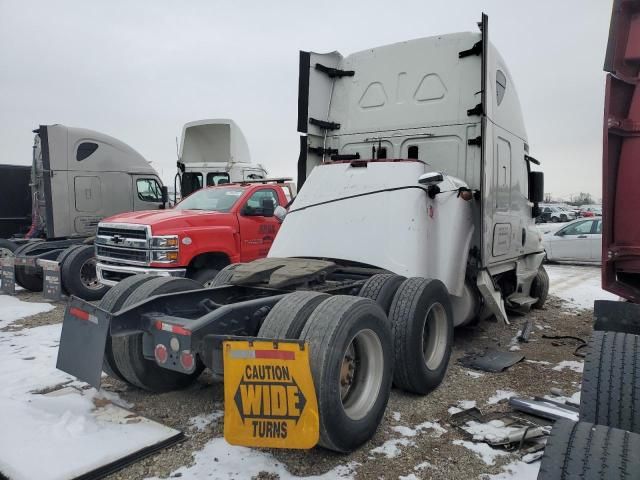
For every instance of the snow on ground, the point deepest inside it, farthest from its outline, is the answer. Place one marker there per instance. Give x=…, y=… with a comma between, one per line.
x=500, y=395
x=575, y=398
x=474, y=374
x=422, y=466
x=461, y=406
x=69, y=433
x=200, y=422
x=577, y=285
x=220, y=461
x=12, y=309
x=492, y=431
x=486, y=453
x=391, y=448
x=570, y=364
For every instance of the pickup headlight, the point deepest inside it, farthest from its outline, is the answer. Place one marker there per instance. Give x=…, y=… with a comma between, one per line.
x=165, y=256
x=168, y=241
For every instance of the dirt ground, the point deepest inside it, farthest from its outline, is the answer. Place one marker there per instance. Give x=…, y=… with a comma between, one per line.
x=445, y=459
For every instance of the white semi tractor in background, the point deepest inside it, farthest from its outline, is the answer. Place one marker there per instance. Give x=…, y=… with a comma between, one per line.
x=416, y=215
x=213, y=152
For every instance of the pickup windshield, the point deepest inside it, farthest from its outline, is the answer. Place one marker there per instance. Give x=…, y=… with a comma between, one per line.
x=212, y=199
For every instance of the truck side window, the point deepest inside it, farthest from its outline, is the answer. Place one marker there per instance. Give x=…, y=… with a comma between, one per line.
x=217, y=178
x=412, y=152
x=149, y=190
x=501, y=85
x=190, y=182
x=254, y=203
x=85, y=150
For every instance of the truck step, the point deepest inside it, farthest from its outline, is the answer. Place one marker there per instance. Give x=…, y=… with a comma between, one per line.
x=521, y=300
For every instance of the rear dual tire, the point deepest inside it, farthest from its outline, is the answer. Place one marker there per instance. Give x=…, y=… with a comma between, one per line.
x=127, y=351
x=610, y=392
x=422, y=324
x=586, y=451
x=351, y=360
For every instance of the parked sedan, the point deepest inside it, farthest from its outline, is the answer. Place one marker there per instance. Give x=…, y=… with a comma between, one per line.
x=579, y=241
x=556, y=214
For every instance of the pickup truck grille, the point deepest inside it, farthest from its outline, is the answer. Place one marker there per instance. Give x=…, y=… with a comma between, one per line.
x=122, y=232
x=125, y=254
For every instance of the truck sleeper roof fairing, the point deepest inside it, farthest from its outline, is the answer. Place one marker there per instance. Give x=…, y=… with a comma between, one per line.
x=621, y=154
x=81, y=176
x=213, y=141
x=447, y=100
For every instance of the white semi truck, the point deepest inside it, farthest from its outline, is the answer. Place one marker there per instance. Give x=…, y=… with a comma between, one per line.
x=416, y=214
x=213, y=152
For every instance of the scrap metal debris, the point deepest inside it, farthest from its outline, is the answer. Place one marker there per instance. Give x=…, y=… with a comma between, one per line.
x=544, y=408
x=526, y=332
x=491, y=360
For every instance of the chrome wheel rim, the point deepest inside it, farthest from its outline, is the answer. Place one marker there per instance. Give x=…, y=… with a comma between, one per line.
x=361, y=374
x=88, y=275
x=5, y=252
x=434, y=336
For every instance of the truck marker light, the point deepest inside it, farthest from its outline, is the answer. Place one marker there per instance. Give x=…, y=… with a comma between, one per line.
x=186, y=360
x=167, y=327
x=82, y=315
x=161, y=353
x=186, y=240
x=466, y=195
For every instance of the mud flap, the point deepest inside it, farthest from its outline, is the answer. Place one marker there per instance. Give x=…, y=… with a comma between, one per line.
x=8, y=276
x=82, y=342
x=492, y=296
x=51, y=285
x=614, y=316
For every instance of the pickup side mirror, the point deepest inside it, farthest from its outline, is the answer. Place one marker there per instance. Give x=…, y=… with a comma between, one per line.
x=268, y=207
x=165, y=196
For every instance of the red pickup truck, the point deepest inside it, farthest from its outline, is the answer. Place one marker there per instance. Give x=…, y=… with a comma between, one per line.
x=208, y=230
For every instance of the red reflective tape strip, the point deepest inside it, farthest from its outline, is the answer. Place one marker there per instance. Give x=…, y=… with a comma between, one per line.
x=279, y=354
x=167, y=327
x=81, y=314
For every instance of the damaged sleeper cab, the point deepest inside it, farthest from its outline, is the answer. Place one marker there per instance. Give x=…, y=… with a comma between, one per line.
x=376, y=262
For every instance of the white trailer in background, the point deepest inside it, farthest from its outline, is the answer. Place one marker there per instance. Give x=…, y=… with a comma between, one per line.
x=213, y=152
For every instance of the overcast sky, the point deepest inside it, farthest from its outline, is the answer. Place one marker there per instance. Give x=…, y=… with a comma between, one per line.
x=138, y=70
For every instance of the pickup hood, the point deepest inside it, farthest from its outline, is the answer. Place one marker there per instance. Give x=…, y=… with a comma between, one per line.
x=171, y=221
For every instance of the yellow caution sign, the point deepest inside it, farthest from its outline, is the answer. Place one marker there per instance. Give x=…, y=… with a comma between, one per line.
x=269, y=397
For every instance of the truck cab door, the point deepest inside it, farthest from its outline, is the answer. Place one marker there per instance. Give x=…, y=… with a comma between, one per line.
x=257, y=231
x=147, y=192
